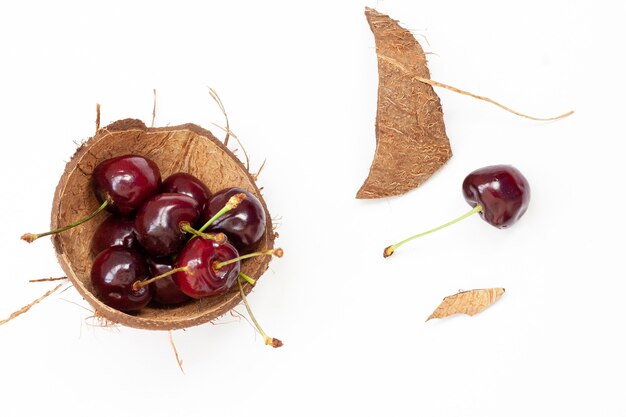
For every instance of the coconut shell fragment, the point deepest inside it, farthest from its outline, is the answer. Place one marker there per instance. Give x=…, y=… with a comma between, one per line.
x=411, y=141
x=467, y=302
x=185, y=148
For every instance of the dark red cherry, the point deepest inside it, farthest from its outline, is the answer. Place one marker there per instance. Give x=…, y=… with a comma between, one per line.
x=164, y=290
x=114, y=231
x=121, y=184
x=501, y=190
x=187, y=184
x=499, y=193
x=127, y=181
x=202, y=279
x=158, y=223
x=244, y=225
x=113, y=273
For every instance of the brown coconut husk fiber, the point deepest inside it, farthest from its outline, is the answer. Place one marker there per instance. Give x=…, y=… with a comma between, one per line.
x=185, y=148
x=411, y=140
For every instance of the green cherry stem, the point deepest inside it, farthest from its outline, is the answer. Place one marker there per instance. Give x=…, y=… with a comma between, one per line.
x=273, y=342
x=250, y=280
x=31, y=237
x=232, y=203
x=219, y=238
x=276, y=252
x=138, y=284
x=389, y=250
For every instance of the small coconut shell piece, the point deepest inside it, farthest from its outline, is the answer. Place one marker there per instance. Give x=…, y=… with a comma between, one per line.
x=411, y=140
x=185, y=148
x=467, y=302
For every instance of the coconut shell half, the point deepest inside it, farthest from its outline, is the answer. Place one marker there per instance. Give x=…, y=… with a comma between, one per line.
x=411, y=140
x=185, y=148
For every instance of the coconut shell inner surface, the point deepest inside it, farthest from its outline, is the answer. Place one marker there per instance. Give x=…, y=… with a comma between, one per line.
x=185, y=148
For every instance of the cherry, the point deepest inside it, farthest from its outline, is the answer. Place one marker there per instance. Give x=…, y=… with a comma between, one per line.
x=121, y=184
x=159, y=220
x=165, y=291
x=113, y=274
x=244, y=225
x=205, y=268
x=499, y=193
x=114, y=231
x=202, y=278
x=187, y=184
x=125, y=182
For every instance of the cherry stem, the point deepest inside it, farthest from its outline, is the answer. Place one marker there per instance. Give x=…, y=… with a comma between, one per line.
x=219, y=238
x=276, y=252
x=139, y=284
x=268, y=340
x=250, y=280
x=232, y=203
x=389, y=250
x=30, y=237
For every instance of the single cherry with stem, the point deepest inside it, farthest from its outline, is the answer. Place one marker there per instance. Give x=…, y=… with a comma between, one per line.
x=499, y=193
x=121, y=184
x=232, y=203
x=113, y=273
x=244, y=225
x=205, y=268
x=501, y=190
x=194, y=271
x=202, y=265
x=126, y=182
x=218, y=238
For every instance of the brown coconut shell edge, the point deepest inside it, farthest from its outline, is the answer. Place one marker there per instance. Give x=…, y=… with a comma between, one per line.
x=184, y=148
x=411, y=139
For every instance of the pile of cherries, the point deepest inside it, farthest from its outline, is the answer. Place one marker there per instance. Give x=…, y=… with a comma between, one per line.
x=169, y=241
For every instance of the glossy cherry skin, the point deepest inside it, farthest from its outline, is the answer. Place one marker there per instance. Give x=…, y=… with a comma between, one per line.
x=202, y=279
x=113, y=273
x=244, y=225
x=501, y=190
x=184, y=183
x=158, y=223
x=114, y=231
x=164, y=290
x=127, y=180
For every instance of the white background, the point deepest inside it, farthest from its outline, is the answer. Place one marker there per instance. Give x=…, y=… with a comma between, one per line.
x=299, y=82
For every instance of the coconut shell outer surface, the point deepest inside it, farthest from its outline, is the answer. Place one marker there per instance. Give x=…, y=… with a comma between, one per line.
x=411, y=140
x=185, y=148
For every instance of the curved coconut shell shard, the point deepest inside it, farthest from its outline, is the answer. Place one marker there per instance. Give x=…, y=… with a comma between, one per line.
x=185, y=148
x=411, y=140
